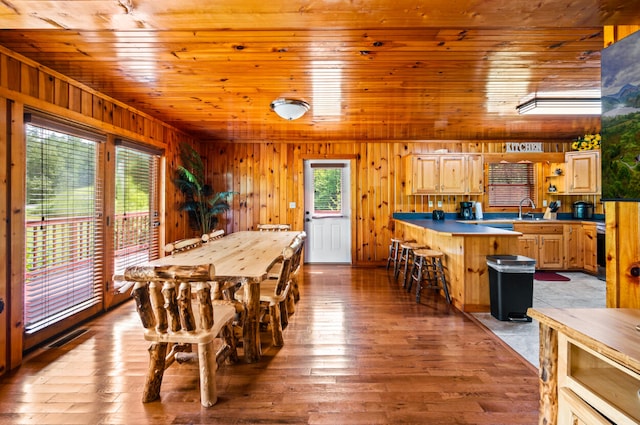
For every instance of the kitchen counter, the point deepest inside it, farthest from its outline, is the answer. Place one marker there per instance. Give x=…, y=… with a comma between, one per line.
x=459, y=228
x=465, y=247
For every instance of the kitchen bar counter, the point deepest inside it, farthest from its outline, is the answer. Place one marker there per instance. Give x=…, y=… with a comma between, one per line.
x=461, y=228
x=465, y=247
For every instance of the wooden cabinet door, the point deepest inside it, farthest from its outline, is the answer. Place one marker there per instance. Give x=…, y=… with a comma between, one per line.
x=528, y=246
x=550, y=252
x=590, y=248
x=426, y=174
x=475, y=174
x=573, y=246
x=453, y=174
x=583, y=172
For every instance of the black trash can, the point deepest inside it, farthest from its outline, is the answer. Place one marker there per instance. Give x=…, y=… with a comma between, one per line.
x=511, y=286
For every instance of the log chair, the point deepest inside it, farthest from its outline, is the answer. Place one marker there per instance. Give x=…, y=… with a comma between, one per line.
x=171, y=316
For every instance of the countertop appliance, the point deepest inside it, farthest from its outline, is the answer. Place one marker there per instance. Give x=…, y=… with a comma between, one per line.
x=466, y=210
x=582, y=210
x=437, y=215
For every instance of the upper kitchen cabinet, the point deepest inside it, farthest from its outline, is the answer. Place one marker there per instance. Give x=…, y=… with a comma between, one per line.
x=475, y=174
x=583, y=172
x=445, y=174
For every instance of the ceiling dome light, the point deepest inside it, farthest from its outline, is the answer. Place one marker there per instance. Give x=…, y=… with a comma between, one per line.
x=290, y=109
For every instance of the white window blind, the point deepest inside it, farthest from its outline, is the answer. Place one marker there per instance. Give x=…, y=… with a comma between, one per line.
x=509, y=183
x=136, y=210
x=63, y=273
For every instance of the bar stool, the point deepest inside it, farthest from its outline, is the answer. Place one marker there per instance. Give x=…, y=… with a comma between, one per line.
x=406, y=257
x=394, y=252
x=427, y=266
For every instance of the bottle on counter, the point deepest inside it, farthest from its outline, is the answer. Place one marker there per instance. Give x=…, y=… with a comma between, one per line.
x=478, y=211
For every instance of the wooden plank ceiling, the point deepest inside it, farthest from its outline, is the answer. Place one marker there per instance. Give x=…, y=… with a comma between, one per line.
x=373, y=70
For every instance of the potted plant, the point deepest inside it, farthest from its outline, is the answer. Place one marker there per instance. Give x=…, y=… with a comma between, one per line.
x=202, y=203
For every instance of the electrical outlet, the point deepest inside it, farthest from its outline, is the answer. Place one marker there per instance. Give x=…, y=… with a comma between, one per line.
x=544, y=202
x=439, y=204
x=292, y=205
x=430, y=204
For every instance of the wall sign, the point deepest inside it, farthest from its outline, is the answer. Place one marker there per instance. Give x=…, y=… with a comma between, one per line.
x=524, y=147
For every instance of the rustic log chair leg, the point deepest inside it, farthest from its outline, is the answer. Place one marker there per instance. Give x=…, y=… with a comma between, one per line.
x=291, y=302
x=284, y=314
x=230, y=339
x=276, y=325
x=208, y=367
x=157, y=353
x=296, y=288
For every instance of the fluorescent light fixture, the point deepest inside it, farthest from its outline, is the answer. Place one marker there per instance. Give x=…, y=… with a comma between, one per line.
x=561, y=104
x=289, y=109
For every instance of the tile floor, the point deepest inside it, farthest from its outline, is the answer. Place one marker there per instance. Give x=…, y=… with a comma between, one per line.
x=582, y=291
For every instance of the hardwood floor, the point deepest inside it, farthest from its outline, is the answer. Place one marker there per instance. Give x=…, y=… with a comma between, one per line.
x=358, y=350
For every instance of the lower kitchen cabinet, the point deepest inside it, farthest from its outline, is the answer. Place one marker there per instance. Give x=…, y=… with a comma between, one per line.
x=574, y=246
x=542, y=242
x=590, y=248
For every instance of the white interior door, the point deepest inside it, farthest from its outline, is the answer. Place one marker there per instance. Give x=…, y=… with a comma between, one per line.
x=327, y=211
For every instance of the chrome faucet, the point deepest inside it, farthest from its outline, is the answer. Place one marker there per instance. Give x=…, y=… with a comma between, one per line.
x=520, y=206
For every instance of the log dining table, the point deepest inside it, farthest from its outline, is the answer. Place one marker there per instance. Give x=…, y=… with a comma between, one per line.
x=243, y=256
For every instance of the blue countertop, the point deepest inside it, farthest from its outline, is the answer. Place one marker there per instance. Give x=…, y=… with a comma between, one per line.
x=453, y=225
x=458, y=228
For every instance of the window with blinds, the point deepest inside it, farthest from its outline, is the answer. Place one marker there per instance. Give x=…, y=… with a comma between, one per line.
x=63, y=273
x=327, y=189
x=136, y=208
x=509, y=183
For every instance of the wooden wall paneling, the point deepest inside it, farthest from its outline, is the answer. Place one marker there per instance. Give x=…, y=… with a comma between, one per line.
x=362, y=206
x=275, y=171
x=381, y=233
x=28, y=80
x=257, y=179
x=86, y=103
x=238, y=199
x=4, y=70
x=5, y=247
x=14, y=80
x=61, y=93
x=375, y=201
x=17, y=201
x=268, y=208
x=291, y=186
x=117, y=118
x=107, y=115
x=225, y=182
x=246, y=187
x=96, y=107
x=263, y=174
x=45, y=87
x=623, y=254
x=386, y=198
x=284, y=182
x=75, y=98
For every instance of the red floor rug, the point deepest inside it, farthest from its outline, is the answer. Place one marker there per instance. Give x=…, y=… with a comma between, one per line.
x=550, y=277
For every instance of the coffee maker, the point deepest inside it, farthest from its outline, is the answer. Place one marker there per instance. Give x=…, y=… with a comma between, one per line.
x=466, y=210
